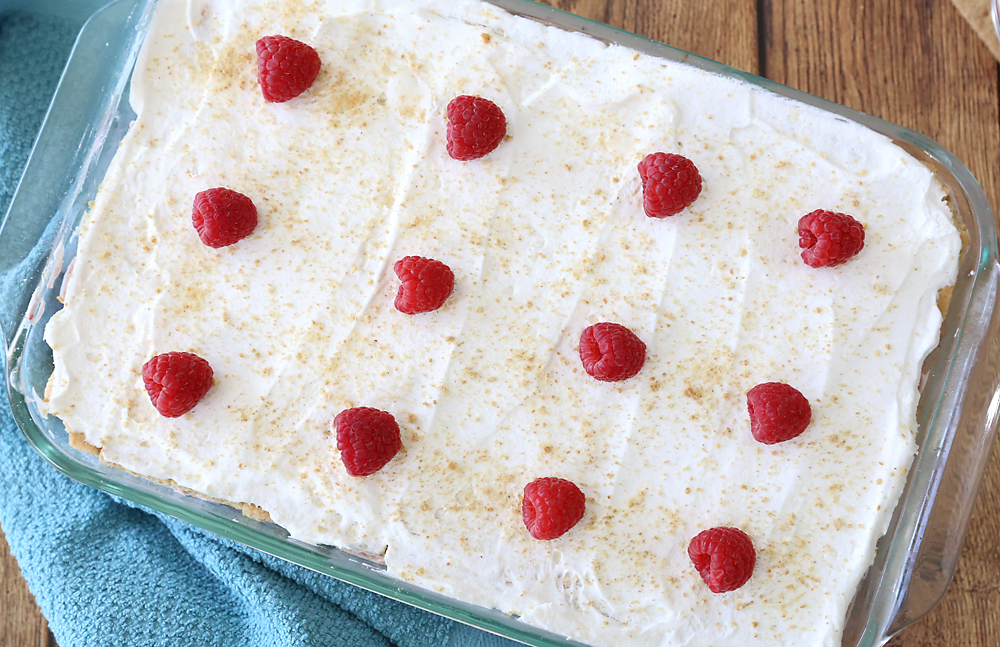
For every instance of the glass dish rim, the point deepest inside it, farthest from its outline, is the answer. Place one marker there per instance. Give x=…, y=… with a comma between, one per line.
x=242, y=532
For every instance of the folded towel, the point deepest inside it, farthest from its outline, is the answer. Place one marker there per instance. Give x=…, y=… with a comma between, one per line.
x=977, y=13
x=106, y=572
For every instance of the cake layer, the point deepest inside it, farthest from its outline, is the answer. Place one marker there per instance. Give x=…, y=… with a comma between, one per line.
x=546, y=236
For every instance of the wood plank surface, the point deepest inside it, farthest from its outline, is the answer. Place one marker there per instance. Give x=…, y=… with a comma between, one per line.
x=723, y=30
x=913, y=62
x=21, y=623
x=977, y=13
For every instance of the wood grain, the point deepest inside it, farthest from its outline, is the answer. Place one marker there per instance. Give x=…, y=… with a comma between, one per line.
x=723, y=30
x=977, y=13
x=21, y=623
x=913, y=62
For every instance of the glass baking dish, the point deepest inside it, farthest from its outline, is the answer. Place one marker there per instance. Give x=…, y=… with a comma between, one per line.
x=90, y=114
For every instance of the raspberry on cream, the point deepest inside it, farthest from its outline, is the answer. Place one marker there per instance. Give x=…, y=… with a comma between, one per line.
x=829, y=239
x=285, y=67
x=223, y=217
x=176, y=382
x=610, y=352
x=476, y=126
x=367, y=439
x=778, y=412
x=724, y=557
x=551, y=507
x=670, y=184
x=425, y=284
x=548, y=235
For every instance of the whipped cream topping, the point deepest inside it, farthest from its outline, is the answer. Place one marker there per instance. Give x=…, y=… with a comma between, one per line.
x=546, y=236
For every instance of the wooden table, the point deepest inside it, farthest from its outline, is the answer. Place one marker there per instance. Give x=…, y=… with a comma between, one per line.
x=913, y=62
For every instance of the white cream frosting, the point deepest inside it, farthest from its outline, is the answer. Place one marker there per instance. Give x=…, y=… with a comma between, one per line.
x=546, y=235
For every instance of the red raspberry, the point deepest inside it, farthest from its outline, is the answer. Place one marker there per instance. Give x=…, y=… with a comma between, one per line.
x=551, y=507
x=426, y=284
x=724, y=557
x=176, y=382
x=367, y=439
x=778, y=412
x=285, y=67
x=223, y=217
x=829, y=238
x=670, y=183
x=611, y=352
x=476, y=126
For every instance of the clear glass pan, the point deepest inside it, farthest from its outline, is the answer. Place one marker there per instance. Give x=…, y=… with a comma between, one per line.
x=90, y=114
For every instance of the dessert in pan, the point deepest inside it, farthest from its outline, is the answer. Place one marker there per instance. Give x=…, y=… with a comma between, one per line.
x=611, y=343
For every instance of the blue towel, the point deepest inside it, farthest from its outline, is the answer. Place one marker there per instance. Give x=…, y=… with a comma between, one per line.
x=105, y=572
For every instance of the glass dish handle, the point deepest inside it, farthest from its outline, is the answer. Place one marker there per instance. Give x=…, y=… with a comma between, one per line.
x=940, y=526
x=78, y=115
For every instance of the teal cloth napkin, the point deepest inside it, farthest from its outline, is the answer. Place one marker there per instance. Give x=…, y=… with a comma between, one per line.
x=105, y=572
